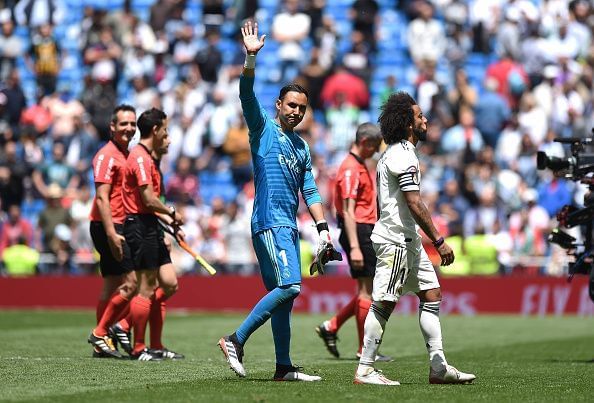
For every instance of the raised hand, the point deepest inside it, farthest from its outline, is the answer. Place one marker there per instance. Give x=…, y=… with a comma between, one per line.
x=252, y=43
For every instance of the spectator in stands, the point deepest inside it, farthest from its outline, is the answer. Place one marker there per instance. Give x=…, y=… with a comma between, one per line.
x=484, y=17
x=452, y=206
x=99, y=99
x=222, y=117
x=365, y=15
x=13, y=173
x=356, y=59
x=143, y=96
x=138, y=62
x=53, y=215
x=64, y=110
x=237, y=146
x=511, y=79
x=561, y=44
x=532, y=55
x=209, y=59
x=44, y=58
x=161, y=11
x=458, y=45
x=290, y=28
x=11, y=48
x=35, y=13
x=342, y=81
x=463, y=93
x=83, y=145
x=313, y=75
x=104, y=56
x=237, y=238
x=568, y=108
x=508, y=34
x=544, y=92
x=427, y=84
x=184, y=50
x=182, y=187
x=16, y=229
x=509, y=142
x=491, y=112
x=213, y=14
x=16, y=102
x=61, y=252
x=529, y=226
x=487, y=217
x=329, y=37
x=342, y=119
x=532, y=118
x=55, y=171
x=20, y=259
x=579, y=27
x=80, y=211
x=425, y=36
x=464, y=135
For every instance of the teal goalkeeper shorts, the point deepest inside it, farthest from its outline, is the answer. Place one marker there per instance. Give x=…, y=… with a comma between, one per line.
x=278, y=253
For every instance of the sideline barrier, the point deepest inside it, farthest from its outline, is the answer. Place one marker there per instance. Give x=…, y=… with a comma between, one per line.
x=464, y=296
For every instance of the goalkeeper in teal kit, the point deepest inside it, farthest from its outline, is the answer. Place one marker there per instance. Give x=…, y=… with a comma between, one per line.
x=282, y=168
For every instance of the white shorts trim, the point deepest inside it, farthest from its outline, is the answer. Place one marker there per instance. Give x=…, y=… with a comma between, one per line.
x=400, y=271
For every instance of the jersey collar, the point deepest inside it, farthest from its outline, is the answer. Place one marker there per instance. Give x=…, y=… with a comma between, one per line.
x=359, y=159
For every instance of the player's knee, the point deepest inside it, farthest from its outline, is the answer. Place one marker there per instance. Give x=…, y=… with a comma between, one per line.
x=292, y=291
x=433, y=295
x=171, y=289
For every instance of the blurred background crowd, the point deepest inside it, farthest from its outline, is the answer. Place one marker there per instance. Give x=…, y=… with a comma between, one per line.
x=497, y=79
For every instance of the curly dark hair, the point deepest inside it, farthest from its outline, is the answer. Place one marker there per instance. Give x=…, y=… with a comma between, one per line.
x=396, y=116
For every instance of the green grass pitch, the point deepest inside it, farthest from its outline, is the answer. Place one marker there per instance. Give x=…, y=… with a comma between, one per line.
x=44, y=357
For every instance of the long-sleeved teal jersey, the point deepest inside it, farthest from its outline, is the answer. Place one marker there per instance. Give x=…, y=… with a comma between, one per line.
x=282, y=166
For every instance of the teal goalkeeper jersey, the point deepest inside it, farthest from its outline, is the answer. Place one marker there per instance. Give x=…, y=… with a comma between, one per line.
x=282, y=166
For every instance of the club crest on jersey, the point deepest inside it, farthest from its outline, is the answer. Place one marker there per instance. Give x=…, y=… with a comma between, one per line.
x=414, y=174
x=291, y=162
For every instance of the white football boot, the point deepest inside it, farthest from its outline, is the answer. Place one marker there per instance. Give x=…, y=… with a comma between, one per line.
x=372, y=376
x=450, y=375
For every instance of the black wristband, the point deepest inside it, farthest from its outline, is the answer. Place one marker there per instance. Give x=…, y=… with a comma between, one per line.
x=321, y=226
x=439, y=242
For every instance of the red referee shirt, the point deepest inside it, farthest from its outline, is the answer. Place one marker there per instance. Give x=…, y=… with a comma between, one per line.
x=353, y=181
x=108, y=167
x=140, y=171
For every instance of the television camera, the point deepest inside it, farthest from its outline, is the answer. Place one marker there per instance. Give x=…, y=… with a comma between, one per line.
x=578, y=167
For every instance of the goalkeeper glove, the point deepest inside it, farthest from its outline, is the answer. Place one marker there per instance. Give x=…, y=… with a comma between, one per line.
x=325, y=252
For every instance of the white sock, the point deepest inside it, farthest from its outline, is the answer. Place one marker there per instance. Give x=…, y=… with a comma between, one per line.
x=375, y=323
x=431, y=329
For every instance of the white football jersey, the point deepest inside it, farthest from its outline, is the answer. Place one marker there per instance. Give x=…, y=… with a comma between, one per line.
x=397, y=172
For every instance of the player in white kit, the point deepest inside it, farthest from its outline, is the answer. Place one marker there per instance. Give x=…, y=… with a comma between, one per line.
x=402, y=264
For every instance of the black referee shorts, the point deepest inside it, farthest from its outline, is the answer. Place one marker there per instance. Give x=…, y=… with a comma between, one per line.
x=108, y=265
x=146, y=241
x=369, y=258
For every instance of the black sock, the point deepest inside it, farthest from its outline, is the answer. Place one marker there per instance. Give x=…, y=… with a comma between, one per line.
x=234, y=339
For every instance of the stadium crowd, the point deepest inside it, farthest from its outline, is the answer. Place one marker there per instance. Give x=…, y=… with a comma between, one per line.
x=498, y=80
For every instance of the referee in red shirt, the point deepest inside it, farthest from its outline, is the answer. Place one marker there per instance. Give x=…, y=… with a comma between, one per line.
x=107, y=229
x=356, y=209
x=141, y=189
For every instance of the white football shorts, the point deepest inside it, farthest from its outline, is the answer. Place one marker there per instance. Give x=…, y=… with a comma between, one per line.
x=401, y=270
